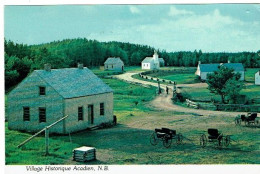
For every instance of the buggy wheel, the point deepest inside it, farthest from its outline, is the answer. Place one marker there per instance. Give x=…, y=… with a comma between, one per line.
x=153, y=139
x=238, y=121
x=203, y=140
x=167, y=141
x=179, y=139
x=220, y=141
x=247, y=123
x=227, y=140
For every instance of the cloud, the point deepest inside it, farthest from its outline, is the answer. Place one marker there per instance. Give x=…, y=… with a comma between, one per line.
x=175, y=12
x=134, y=10
x=210, y=32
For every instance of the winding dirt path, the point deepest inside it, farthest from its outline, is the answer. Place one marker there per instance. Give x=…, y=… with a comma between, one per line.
x=164, y=102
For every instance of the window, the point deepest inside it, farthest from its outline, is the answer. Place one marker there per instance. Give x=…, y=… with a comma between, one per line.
x=26, y=114
x=42, y=115
x=101, y=108
x=42, y=90
x=80, y=113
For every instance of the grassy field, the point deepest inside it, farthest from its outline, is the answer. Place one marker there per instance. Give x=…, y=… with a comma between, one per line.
x=250, y=74
x=128, y=142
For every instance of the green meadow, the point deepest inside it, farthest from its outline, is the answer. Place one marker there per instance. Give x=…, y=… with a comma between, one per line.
x=128, y=141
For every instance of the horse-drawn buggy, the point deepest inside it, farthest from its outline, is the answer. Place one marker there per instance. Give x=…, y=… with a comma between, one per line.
x=214, y=136
x=250, y=119
x=166, y=136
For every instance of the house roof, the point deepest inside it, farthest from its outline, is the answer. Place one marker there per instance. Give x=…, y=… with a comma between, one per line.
x=235, y=66
x=214, y=67
x=209, y=67
x=74, y=82
x=113, y=60
x=148, y=60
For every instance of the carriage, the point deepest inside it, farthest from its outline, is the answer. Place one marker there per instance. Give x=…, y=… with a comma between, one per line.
x=215, y=137
x=248, y=120
x=166, y=136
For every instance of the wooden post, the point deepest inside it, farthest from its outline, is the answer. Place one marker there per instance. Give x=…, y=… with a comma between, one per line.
x=47, y=141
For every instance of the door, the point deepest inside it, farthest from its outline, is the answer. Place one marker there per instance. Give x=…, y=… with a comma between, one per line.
x=90, y=114
x=122, y=68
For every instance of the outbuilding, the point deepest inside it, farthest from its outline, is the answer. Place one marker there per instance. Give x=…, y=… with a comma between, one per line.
x=114, y=64
x=47, y=95
x=204, y=69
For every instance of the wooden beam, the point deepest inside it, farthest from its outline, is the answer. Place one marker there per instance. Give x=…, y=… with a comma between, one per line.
x=29, y=139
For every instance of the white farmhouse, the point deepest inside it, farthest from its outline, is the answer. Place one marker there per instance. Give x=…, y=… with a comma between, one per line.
x=114, y=63
x=257, y=78
x=204, y=69
x=47, y=95
x=152, y=62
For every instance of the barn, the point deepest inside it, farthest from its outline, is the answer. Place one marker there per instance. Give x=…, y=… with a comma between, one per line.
x=204, y=69
x=47, y=95
x=257, y=78
x=152, y=62
x=114, y=64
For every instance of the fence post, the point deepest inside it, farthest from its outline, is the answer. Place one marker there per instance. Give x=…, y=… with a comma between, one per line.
x=47, y=141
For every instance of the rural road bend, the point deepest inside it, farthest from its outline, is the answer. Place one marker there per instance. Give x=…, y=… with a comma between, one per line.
x=164, y=102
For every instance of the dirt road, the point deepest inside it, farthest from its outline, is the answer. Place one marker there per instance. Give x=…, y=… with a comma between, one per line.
x=164, y=102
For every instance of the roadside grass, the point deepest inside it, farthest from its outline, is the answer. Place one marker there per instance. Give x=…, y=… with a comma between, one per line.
x=181, y=78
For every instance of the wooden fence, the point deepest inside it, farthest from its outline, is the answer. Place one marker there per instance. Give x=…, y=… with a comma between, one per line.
x=192, y=104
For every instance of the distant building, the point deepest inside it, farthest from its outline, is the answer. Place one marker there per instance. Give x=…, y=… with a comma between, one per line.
x=257, y=78
x=47, y=95
x=204, y=69
x=114, y=63
x=152, y=62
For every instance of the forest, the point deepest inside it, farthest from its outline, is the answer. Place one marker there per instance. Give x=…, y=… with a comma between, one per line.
x=21, y=59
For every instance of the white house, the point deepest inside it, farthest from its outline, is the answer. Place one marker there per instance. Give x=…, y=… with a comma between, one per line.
x=204, y=69
x=151, y=62
x=47, y=95
x=257, y=78
x=114, y=63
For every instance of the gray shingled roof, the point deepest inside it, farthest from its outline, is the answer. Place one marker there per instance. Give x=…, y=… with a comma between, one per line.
x=113, y=60
x=214, y=67
x=147, y=60
x=74, y=82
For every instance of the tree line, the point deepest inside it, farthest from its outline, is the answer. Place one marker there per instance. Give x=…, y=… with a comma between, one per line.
x=21, y=59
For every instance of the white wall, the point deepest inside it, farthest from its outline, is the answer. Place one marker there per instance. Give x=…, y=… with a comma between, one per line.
x=27, y=94
x=71, y=108
x=257, y=78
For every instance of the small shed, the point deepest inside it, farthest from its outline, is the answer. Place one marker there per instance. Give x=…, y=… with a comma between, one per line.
x=257, y=78
x=114, y=63
x=47, y=95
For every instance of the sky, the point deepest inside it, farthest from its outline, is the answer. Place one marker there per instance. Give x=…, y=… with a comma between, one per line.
x=210, y=27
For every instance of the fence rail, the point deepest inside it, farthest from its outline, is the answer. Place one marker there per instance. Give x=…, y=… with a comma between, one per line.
x=192, y=104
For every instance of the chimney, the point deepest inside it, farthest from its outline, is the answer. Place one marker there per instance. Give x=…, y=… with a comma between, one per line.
x=47, y=67
x=80, y=65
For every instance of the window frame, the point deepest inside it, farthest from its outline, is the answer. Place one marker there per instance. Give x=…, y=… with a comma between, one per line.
x=80, y=113
x=25, y=116
x=42, y=93
x=102, y=109
x=41, y=115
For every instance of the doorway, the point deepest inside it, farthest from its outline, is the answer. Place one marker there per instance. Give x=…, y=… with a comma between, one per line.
x=90, y=114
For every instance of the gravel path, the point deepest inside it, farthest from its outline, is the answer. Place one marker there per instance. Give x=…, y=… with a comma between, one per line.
x=164, y=102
